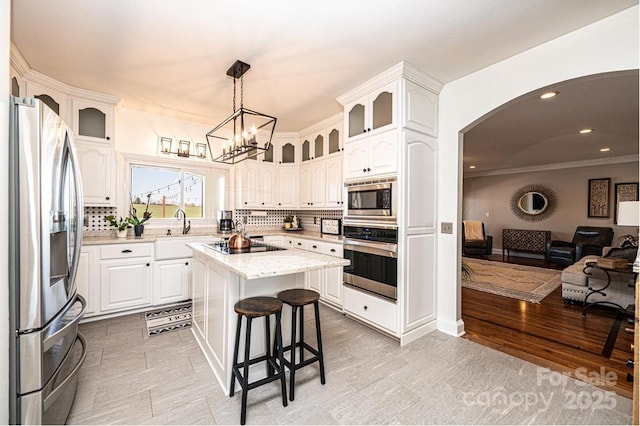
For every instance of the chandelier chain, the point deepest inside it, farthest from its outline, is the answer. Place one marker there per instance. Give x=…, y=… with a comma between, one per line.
x=242, y=91
x=234, y=95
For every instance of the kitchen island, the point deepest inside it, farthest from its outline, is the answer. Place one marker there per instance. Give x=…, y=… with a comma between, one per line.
x=219, y=280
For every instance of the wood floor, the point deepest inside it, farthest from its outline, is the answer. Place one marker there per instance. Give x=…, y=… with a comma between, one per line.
x=551, y=334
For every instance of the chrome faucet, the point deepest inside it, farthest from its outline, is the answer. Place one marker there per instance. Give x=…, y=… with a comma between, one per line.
x=185, y=227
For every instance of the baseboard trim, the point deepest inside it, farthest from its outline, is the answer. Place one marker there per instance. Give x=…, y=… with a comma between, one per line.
x=417, y=333
x=452, y=328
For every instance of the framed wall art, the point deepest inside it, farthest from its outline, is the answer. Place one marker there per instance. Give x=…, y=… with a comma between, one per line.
x=624, y=192
x=599, y=197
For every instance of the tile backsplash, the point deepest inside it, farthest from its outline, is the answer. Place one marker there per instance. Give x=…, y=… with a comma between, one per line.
x=263, y=219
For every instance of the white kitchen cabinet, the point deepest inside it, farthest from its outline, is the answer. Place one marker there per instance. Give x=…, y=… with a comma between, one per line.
x=312, y=185
x=327, y=282
x=125, y=283
x=373, y=156
x=88, y=279
x=97, y=167
x=93, y=121
x=373, y=113
x=334, y=142
x=255, y=185
x=334, y=184
x=274, y=240
x=287, y=152
x=171, y=281
x=370, y=309
x=56, y=100
x=288, y=186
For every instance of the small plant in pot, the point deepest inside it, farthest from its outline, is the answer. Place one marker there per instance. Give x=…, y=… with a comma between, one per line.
x=138, y=224
x=120, y=224
x=288, y=222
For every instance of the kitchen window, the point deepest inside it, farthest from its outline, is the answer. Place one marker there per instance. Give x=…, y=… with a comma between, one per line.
x=165, y=190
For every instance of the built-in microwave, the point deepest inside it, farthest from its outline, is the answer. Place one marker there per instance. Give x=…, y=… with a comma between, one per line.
x=372, y=200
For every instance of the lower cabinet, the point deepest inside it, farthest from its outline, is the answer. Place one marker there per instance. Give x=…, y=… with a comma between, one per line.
x=371, y=309
x=327, y=282
x=125, y=283
x=171, y=280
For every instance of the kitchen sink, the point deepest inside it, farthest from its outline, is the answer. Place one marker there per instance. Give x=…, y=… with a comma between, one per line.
x=175, y=247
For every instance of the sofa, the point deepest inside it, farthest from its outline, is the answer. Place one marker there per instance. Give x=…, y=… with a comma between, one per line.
x=620, y=292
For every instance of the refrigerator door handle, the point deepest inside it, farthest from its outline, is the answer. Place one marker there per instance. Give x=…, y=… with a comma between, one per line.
x=79, y=211
x=61, y=387
x=50, y=339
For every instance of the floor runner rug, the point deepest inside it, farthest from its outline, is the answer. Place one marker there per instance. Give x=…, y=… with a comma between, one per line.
x=522, y=282
x=167, y=319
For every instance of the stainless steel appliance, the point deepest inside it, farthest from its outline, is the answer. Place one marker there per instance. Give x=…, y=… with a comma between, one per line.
x=373, y=252
x=225, y=221
x=45, y=236
x=331, y=226
x=372, y=200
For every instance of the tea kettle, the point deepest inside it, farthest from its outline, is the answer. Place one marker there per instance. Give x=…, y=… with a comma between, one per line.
x=239, y=240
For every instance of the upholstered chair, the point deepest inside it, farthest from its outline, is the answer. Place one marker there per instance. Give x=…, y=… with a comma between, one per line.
x=586, y=240
x=480, y=244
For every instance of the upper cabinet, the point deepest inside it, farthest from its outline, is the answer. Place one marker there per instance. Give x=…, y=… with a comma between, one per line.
x=322, y=139
x=372, y=113
x=57, y=101
x=93, y=121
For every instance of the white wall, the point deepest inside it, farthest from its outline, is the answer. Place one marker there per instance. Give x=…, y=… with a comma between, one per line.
x=5, y=22
x=607, y=45
x=492, y=194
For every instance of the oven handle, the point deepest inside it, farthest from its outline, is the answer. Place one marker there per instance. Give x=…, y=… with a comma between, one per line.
x=383, y=249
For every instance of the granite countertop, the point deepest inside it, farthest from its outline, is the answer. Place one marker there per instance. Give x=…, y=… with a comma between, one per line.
x=207, y=236
x=271, y=263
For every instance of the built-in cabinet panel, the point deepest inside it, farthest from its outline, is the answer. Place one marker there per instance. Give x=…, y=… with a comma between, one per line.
x=97, y=168
x=93, y=121
x=312, y=185
x=421, y=175
x=216, y=314
x=255, y=185
x=55, y=100
x=420, y=268
x=87, y=275
x=125, y=283
x=373, y=113
x=198, y=295
x=171, y=281
x=421, y=109
x=373, y=156
x=334, y=184
x=288, y=182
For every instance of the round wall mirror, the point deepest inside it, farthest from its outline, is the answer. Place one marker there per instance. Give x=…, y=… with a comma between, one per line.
x=533, y=202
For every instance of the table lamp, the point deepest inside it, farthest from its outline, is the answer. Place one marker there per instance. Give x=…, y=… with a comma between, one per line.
x=629, y=215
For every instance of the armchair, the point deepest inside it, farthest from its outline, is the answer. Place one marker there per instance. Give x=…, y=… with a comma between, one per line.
x=587, y=240
x=474, y=239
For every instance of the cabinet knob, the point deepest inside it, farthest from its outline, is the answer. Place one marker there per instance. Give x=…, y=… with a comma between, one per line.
x=364, y=170
x=108, y=138
x=126, y=251
x=366, y=307
x=315, y=247
x=368, y=129
x=368, y=169
x=262, y=204
x=148, y=264
x=279, y=204
x=186, y=263
x=333, y=250
x=341, y=149
x=279, y=162
x=245, y=202
x=299, y=244
x=107, y=198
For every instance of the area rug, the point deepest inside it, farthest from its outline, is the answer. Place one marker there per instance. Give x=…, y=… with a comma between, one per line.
x=176, y=317
x=526, y=283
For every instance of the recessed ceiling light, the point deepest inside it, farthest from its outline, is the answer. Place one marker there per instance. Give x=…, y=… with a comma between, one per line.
x=585, y=131
x=548, y=95
x=605, y=149
x=472, y=167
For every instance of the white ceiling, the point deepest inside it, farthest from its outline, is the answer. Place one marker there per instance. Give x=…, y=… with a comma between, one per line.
x=170, y=56
x=530, y=132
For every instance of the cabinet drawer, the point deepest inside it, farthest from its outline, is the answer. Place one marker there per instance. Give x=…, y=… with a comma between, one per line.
x=334, y=250
x=126, y=251
x=371, y=309
x=315, y=246
x=296, y=243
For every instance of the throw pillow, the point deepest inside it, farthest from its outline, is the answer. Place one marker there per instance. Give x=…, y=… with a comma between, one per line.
x=628, y=241
x=628, y=253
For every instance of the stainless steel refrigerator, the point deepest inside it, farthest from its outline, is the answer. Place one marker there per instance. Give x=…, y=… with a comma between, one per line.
x=45, y=237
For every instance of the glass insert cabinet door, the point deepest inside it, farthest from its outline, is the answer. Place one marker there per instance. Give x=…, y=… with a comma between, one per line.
x=371, y=113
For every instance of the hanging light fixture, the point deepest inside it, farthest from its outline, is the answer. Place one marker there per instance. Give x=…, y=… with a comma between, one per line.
x=245, y=133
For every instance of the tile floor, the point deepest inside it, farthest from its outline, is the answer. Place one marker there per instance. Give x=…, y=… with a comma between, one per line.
x=130, y=378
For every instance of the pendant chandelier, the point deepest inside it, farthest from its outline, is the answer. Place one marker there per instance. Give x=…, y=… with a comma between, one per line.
x=245, y=133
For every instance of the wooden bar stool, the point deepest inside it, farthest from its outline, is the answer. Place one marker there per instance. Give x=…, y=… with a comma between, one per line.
x=255, y=307
x=297, y=299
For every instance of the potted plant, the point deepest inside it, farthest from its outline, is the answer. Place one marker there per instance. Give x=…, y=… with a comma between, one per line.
x=121, y=225
x=288, y=221
x=138, y=224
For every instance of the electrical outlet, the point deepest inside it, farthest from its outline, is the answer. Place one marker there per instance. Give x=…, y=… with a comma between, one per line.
x=446, y=228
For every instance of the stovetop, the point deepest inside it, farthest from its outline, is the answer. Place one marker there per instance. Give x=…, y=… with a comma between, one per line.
x=255, y=247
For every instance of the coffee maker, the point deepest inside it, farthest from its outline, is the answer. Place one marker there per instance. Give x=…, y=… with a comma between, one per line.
x=225, y=221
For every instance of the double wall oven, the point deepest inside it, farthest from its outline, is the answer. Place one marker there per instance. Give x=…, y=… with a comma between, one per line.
x=371, y=238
